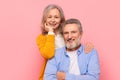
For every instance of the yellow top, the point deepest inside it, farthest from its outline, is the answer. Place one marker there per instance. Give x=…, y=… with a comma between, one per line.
x=46, y=44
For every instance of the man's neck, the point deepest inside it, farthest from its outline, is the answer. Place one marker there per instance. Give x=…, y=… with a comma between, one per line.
x=73, y=49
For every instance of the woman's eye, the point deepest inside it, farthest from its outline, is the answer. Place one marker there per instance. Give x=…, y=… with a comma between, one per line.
x=56, y=17
x=49, y=16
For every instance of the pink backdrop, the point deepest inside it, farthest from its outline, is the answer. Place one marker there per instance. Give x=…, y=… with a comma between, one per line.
x=19, y=27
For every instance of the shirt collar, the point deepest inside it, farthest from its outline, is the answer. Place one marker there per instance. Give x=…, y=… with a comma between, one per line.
x=80, y=50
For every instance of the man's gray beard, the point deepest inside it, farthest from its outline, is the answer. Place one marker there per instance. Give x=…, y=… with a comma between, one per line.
x=76, y=43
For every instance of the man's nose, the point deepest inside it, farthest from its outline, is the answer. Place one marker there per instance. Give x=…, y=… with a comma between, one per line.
x=69, y=35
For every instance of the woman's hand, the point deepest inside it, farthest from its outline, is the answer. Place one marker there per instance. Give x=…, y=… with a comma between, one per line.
x=88, y=47
x=48, y=28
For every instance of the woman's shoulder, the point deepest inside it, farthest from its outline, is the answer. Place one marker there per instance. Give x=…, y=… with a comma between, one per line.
x=40, y=37
x=44, y=37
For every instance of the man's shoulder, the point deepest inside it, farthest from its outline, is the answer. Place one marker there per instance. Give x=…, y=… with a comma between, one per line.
x=92, y=52
x=60, y=51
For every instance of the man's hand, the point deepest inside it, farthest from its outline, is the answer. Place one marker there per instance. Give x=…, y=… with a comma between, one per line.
x=60, y=75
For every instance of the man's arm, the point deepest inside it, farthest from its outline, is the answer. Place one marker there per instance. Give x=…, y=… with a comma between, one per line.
x=51, y=69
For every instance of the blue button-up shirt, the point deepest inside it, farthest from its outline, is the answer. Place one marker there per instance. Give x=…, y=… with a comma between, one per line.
x=88, y=65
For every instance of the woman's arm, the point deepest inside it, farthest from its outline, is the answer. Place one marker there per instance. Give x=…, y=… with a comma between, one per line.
x=46, y=45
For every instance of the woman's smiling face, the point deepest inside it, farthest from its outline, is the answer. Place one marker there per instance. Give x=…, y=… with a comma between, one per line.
x=53, y=18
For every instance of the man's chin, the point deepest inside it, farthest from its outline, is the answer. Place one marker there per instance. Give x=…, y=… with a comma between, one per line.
x=70, y=46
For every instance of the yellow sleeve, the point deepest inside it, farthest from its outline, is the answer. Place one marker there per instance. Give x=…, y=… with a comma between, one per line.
x=46, y=45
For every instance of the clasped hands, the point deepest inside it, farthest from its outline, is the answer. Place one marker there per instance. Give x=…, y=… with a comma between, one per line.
x=60, y=75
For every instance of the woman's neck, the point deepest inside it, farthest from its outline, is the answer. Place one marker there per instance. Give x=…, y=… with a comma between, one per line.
x=56, y=31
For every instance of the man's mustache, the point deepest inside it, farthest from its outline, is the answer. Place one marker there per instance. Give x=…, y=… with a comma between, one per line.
x=69, y=39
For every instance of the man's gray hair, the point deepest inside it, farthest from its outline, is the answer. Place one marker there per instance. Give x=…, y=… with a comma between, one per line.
x=72, y=21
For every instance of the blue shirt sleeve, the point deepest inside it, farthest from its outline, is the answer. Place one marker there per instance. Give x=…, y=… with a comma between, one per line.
x=51, y=69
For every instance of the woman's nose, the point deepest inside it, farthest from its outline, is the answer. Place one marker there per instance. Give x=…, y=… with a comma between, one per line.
x=53, y=19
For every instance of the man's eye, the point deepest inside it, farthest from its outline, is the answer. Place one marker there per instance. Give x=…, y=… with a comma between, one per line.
x=65, y=33
x=73, y=31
